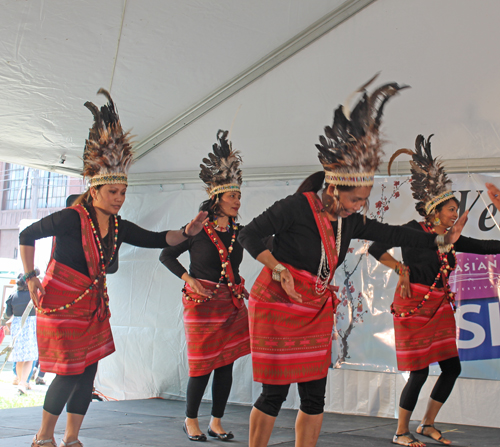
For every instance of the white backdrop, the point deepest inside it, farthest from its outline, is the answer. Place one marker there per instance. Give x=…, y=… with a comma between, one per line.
x=147, y=313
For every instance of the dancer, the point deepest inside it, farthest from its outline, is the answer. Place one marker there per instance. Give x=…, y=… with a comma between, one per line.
x=292, y=305
x=423, y=305
x=72, y=303
x=215, y=316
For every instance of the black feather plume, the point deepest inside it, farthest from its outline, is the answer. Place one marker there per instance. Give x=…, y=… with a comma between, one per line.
x=428, y=177
x=107, y=148
x=222, y=167
x=352, y=143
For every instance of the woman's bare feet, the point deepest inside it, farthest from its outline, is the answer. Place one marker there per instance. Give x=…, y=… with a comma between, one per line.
x=216, y=425
x=192, y=427
x=407, y=439
x=47, y=442
x=432, y=432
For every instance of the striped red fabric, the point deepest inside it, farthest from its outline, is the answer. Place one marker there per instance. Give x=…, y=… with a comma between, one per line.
x=290, y=341
x=72, y=339
x=216, y=330
x=427, y=336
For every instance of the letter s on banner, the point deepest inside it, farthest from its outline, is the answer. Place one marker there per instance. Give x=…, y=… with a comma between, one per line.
x=494, y=311
x=476, y=329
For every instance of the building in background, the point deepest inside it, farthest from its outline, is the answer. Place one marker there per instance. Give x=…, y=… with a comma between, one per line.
x=29, y=193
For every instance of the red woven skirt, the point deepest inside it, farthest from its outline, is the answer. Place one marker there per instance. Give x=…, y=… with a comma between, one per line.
x=71, y=339
x=290, y=341
x=216, y=330
x=427, y=336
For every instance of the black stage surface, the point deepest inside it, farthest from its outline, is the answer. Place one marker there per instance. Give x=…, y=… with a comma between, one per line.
x=156, y=422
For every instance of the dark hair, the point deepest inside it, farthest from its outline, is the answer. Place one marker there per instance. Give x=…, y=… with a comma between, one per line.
x=71, y=199
x=316, y=181
x=441, y=205
x=86, y=197
x=439, y=208
x=211, y=206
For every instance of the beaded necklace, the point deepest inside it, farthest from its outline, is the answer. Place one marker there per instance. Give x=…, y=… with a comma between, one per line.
x=102, y=273
x=444, y=271
x=221, y=228
x=323, y=275
x=225, y=261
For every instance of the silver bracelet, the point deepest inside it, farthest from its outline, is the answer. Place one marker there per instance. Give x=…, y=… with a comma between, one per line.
x=440, y=240
x=277, y=272
x=443, y=247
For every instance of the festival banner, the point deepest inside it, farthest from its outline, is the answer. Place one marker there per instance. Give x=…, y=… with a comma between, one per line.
x=365, y=332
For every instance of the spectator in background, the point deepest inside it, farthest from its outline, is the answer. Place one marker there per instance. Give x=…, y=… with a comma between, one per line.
x=25, y=350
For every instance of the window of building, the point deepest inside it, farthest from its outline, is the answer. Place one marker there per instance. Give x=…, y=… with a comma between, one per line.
x=18, y=187
x=51, y=188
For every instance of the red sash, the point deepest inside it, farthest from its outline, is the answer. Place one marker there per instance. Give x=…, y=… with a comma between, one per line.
x=291, y=341
x=224, y=255
x=216, y=330
x=427, y=336
x=71, y=339
x=325, y=231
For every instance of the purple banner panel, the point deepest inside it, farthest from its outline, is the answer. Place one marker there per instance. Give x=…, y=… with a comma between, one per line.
x=476, y=282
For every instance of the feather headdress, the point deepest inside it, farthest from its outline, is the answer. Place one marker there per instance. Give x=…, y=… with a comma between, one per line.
x=221, y=171
x=108, y=154
x=351, y=150
x=430, y=185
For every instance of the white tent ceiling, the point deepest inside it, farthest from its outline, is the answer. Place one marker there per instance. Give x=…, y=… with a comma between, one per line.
x=179, y=71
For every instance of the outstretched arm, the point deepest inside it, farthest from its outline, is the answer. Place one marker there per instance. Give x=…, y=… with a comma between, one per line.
x=175, y=237
x=401, y=236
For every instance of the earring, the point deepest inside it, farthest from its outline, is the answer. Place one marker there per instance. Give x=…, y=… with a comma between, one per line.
x=337, y=208
x=436, y=221
x=327, y=201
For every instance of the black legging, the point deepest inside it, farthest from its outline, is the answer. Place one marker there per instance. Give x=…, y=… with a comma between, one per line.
x=75, y=390
x=450, y=370
x=221, y=387
x=312, y=397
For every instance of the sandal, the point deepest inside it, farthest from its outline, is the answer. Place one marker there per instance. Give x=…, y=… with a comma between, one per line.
x=22, y=390
x=408, y=435
x=76, y=443
x=36, y=442
x=440, y=439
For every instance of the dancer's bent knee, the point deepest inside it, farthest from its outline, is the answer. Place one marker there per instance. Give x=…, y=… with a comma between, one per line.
x=312, y=396
x=271, y=399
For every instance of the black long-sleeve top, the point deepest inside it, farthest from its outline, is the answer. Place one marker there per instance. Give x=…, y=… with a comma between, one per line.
x=424, y=263
x=17, y=302
x=205, y=260
x=65, y=225
x=297, y=240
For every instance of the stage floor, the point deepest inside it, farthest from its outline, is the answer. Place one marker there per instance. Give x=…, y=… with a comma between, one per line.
x=156, y=422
